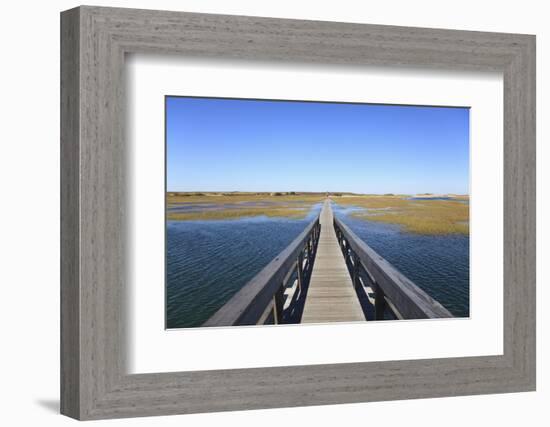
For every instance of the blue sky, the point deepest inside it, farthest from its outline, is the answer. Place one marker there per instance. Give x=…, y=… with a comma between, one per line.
x=251, y=145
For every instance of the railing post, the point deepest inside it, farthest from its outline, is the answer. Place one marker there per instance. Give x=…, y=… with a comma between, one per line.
x=300, y=271
x=355, y=278
x=379, y=302
x=278, y=304
x=316, y=233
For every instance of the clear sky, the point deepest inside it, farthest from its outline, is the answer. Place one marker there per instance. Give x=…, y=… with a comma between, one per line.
x=251, y=145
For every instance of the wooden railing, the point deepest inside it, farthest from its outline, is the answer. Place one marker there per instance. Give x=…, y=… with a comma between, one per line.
x=277, y=293
x=395, y=296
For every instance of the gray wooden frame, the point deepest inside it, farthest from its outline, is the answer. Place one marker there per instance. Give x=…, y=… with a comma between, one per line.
x=94, y=41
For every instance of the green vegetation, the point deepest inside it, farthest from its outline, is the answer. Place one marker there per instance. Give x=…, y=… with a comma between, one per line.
x=416, y=216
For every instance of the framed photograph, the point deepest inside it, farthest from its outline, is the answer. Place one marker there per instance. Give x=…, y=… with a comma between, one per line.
x=262, y=213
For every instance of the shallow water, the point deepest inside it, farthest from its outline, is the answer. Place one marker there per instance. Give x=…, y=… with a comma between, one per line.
x=440, y=265
x=209, y=261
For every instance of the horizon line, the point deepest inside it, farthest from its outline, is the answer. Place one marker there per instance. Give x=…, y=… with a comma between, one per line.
x=298, y=191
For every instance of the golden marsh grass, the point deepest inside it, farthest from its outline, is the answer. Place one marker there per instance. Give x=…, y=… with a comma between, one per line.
x=178, y=198
x=237, y=213
x=415, y=216
x=227, y=205
x=423, y=216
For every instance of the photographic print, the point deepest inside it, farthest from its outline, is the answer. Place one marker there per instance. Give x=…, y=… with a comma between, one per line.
x=291, y=212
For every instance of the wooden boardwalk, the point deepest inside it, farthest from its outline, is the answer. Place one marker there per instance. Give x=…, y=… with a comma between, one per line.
x=309, y=282
x=330, y=296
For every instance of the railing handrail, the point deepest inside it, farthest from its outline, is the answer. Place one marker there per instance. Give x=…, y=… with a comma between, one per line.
x=248, y=305
x=410, y=301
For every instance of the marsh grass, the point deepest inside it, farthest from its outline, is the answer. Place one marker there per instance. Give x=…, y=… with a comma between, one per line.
x=415, y=216
x=221, y=198
x=237, y=213
x=226, y=205
x=421, y=216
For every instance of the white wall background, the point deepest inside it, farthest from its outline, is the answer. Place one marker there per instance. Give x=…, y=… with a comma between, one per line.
x=29, y=214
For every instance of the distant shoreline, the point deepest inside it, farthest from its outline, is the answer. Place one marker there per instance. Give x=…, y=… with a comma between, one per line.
x=432, y=214
x=312, y=193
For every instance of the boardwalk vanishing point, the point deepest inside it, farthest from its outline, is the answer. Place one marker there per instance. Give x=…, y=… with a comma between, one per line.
x=331, y=295
x=327, y=274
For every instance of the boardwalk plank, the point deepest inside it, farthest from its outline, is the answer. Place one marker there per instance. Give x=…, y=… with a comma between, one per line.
x=330, y=296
